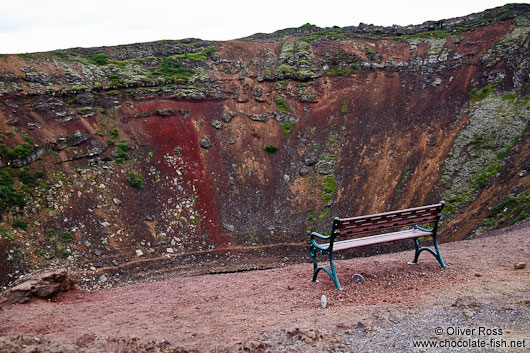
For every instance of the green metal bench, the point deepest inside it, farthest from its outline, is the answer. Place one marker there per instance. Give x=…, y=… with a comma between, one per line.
x=377, y=223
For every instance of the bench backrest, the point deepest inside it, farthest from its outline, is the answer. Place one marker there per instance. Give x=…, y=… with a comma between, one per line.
x=373, y=223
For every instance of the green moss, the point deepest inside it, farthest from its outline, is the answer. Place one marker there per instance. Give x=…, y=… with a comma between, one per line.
x=84, y=110
x=321, y=216
x=479, y=143
x=344, y=109
x=434, y=34
x=282, y=106
x=115, y=80
x=509, y=97
x=287, y=128
x=502, y=154
x=328, y=183
x=484, y=178
x=343, y=71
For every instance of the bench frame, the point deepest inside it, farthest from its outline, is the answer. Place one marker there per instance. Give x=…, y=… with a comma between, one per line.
x=374, y=223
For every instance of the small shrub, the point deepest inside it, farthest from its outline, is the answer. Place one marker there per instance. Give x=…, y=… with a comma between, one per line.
x=51, y=234
x=20, y=151
x=135, y=179
x=115, y=80
x=67, y=237
x=270, y=149
x=26, y=177
x=20, y=224
x=99, y=59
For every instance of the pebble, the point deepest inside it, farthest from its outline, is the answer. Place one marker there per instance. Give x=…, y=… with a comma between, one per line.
x=519, y=265
x=139, y=252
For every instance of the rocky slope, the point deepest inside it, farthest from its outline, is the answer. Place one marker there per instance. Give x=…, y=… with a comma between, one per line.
x=170, y=152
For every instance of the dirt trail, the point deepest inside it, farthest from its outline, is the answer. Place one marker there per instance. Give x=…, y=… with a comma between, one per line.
x=279, y=310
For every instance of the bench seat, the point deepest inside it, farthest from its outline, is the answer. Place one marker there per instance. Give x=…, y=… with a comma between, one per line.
x=376, y=239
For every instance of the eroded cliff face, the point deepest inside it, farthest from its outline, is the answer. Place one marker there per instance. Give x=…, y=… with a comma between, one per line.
x=116, y=155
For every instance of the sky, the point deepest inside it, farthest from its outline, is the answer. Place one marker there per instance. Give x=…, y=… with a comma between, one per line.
x=37, y=25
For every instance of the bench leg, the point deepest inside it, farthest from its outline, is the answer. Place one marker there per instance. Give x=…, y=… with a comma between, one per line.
x=332, y=273
x=437, y=255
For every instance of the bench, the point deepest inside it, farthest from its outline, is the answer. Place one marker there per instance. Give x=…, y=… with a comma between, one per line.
x=366, y=226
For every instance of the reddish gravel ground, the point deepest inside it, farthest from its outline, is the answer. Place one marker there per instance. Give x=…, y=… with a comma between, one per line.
x=228, y=312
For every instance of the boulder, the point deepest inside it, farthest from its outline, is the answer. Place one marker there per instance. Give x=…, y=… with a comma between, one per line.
x=38, y=285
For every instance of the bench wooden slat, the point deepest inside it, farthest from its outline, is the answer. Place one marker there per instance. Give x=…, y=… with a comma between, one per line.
x=431, y=209
x=376, y=239
x=369, y=228
x=344, y=222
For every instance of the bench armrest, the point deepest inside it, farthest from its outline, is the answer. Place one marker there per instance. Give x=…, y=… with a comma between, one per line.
x=320, y=236
x=422, y=229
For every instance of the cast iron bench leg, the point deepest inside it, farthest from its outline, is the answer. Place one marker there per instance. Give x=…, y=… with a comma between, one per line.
x=437, y=255
x=332, y=273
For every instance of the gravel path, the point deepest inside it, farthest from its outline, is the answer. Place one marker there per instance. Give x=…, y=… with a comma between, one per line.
x=480, y=297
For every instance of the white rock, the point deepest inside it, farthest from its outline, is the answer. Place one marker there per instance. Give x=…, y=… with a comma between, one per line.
x=170, y=250
x=139, y=252
x=324, y=301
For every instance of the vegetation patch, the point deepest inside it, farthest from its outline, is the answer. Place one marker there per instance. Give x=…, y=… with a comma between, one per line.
x=494, y=128
x=287, y=128
x=513, y=209
x=9, y=196
x=5, y=232
x=20, y=224
x=476, y=95
x=135, y=179
x=270, y=149
x=121, y=152
x=67, y=237
x=282, y=106
x=16, y=152
x=328, y=183
x=312, y=218
x=99, y=59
